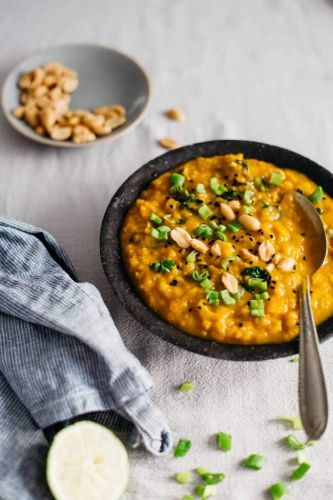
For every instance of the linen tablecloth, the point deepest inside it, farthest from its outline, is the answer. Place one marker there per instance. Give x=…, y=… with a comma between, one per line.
x=261, y=70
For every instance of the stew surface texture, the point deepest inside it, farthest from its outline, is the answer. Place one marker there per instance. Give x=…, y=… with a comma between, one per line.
x=218, y=248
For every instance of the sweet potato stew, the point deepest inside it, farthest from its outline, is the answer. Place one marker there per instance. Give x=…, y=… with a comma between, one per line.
x=218, y=248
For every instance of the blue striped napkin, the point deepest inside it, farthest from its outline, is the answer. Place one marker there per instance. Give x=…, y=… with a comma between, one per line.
x=61, y=359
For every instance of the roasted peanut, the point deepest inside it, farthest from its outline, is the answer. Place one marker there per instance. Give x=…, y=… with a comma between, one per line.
x=276, y=258
x=175, y=114
x=25, y=80
x=18, y=112
x=245, y=254
x=230, y=282
x=199, y=246
x=234, y=204
x=31, y=115
x=250, y=222
x=37, y=77
x=227, y=212
x=70, y=84
x=48, y=118
x=168, y=143
x=216, y=249
x=181, y=237
x=270, y=267
x=266, y=250
x=60, y=133
x=82, y=134
x=286, y=264
x=40, y=130
x=50, y=81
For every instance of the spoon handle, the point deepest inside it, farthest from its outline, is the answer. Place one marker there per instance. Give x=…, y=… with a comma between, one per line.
x=312, y=388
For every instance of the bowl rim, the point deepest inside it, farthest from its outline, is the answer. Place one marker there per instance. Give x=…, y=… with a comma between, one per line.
x=120, y=281
x=33, y=136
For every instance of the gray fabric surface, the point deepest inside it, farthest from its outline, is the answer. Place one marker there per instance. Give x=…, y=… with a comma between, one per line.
x=61, y=357
x=256, y=69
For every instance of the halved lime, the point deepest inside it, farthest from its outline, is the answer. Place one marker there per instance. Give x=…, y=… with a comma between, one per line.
x=86, y=461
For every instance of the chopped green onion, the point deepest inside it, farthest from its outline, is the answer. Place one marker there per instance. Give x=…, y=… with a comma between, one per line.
x=177, y=179
x=160, y=233
x=255, y=462
x=213, y=477
x=311, y=442
x=224, y=441
x=301, y=458
x=187, y=386
x=200, y=189
x=276, y=178
x=205, y=490
x=192, y=257
x=257, y=308
x=213, y=297
x=257, y=283
x=183, y=477
x=277, y=491
x=330, y=233
x=220, y=235
x=257, y=182
x=206, y=284
x=295, y=422
x=182, y=448
x=247, y=196
x=317, y=195
x=155, y=233
x=300, y=472
x=213, y=224
x=201, y=470
x=200, y=276
x=187, y=497
x=225, y=262
x=155, y=218
x=234, y=226
x=204, y=230
x=205, y=212
x=216, y=187
x=293, y=443
x=167, y=216
x=226, y=297
x=263, y=296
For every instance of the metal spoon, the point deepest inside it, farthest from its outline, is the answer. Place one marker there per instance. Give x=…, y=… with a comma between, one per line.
x=311, y=383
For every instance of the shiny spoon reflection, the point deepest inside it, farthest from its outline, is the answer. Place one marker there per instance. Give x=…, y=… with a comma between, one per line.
x=312, y=387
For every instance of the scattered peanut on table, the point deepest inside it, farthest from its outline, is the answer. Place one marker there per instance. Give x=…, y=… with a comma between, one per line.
x=45, y=98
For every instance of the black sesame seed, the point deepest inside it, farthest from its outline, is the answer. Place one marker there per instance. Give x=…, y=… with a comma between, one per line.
x=199, y=307
x=240, y=325
x=190, y=309
x=271, y=235
x=173, y=283
x=304, y=258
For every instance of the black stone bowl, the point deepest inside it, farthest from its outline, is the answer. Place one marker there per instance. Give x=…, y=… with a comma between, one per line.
x=120, y=281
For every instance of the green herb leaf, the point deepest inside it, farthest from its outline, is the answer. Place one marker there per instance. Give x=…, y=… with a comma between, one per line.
x=224, y=441
x=255, y=462
x=183, y=477
x=317, y=195
x=232, y=194
x=187, y=386
x=182, y=448
x=257, y=272
x=164, y=267
x=277, y=491
x=300, y=472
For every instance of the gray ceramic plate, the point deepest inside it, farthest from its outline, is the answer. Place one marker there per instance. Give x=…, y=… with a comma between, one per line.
x=120, y=281
x=105, y=77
